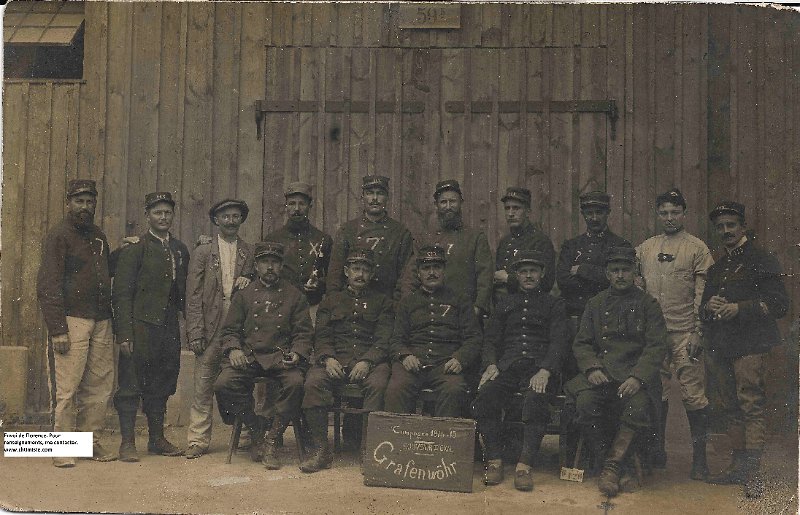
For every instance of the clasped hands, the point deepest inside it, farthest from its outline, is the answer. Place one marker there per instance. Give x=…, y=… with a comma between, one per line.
x=413, y=364
x=721, y=308
x=336, y=371
x=629, y=387
x=538, y=382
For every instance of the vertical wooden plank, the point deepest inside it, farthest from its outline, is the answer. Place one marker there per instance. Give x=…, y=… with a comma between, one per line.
x=345, y=32
x=615, y=86
x=719, y=180
x=537, y=171
x=541, y=20
x=282, y=23
x=515, y=25
x=143, y=142
x=471, y=24
x=593, y=137
x=308, y=144
x=375, y=29
x=322, y=31
x=664, y=115
x=63, y=151
x=197, y=186
x=16, y=117
x=388, y=141
x=628, y=128
x=590, y=23
x=225, y=100
x=117, y=123
x=337, y=132
x=302, y=24
x=453, y=150
x=491, y=35
x=563, y=26
x=563, y=168
x=252, y=73
x=360, y=139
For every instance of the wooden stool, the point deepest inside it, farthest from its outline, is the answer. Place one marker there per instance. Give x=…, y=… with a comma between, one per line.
x=341, y=406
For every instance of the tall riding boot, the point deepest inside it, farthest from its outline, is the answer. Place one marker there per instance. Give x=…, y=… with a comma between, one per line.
x=157, y=443
x=597, y=442
x=321, y=458
x=659, y=455
x=698, y=427
x=269, y=449
x=127, y=429
x=734, y=474
x=754, y=482
x=608, y=483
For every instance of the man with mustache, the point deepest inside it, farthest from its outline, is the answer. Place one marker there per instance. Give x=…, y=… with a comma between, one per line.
x=469, y=259
x=436, y=336
x=352, y=346
x=216, y=271
x=389, y=240
x=526, y=341
x=74, y=291
x=523, y=235
x=267, y=333
x=674, y=266
x=744, y=295
x=619, y=349
x=148, y=294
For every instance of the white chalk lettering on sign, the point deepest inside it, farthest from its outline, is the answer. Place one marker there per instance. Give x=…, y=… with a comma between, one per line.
x=433, y=433
x=421, y=448
x=409, y=469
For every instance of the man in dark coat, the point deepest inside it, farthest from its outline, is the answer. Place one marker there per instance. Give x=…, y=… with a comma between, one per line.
x=148, y=295
x=74, y=290
x=619, y=350
x=744, y=295
x=523, y=235
x=267, y=333
x=526, y=341
x=436, y=336
x=352, y=346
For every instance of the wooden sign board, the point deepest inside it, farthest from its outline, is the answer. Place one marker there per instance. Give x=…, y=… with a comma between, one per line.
x=414, y=451
x=429, y=16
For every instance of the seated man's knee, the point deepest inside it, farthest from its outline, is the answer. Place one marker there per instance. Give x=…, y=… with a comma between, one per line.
x=535, y=407
x=636, y=411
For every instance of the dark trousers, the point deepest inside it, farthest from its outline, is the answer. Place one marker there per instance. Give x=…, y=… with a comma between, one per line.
x=494, y=396
x=151, y=373
x=404, y=389
x=234, y=390
x=599, y=406
x=319, y=387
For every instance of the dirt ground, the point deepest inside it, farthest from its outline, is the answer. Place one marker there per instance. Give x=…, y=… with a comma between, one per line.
x=207, y=485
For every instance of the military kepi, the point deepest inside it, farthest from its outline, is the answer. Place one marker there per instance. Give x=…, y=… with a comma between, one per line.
x=626, y=254
x=361, y=255
x=528, y=257
x=519, y=194
x=448, y=185
x=375, y=181
x=431, y=254
x=269, y=248
x=222, y=204
x=727, y=207
x=298, y=188
x=673, y=196
x=595, y=198
x=151, y=199
x=79, y=186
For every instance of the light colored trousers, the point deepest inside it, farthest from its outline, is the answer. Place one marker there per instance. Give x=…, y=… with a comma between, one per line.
x=84, y=376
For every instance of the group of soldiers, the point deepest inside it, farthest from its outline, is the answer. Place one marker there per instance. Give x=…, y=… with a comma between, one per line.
x=396, y=314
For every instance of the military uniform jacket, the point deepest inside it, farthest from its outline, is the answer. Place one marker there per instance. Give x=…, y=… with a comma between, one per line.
x=74, y=277
x=624, y=334
x=527, y=326
x=389, y=240
x=436, y=327
x=469, y=270
x=305, y=251
x=143, y=282
x=748, y=276
x=354, y=327
x=266, y=321
x=527, y=237
x=589, y=253
x=204, y=295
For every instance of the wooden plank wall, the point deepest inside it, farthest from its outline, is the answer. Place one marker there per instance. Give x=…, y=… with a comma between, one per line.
x=167, y=103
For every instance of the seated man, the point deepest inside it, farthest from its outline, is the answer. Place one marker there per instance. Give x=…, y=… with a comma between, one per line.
x=619, y=349
x=352, y=346
x=528, y=332
x=436, y=335
x=267, y=333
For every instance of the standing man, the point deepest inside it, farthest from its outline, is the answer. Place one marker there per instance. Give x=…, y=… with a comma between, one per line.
x=307, y=250
x=216, y=271
x=523, y=235
x=744, y=296
x=674, y=266
x=149, y=292
x=436, y=336
x=267, y=333
x=74, y=291
x=352, y=346
x=469, y=259
x=619, y=349
x=526, y=341
x=387, y=238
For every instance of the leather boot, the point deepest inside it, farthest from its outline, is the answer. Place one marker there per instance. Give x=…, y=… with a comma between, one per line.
x=734, y=474
x=157, y=443
x=608, y=482
x=659, y=455
x=269, y=449
x=256, y=426
x=698, y=427
x=754, y=482
x=127, y=449
x=321, y=458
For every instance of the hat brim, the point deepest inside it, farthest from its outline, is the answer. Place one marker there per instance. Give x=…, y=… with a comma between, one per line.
x=518, y=199
x=212, y=213
x=590, y=203
x=359, y=260
x=724, y=211
x=621, y=260
x=159, y=201
x=81, y=192
x=521, y=262
x=431, y=260
x=303, y=193
x=269, y=253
